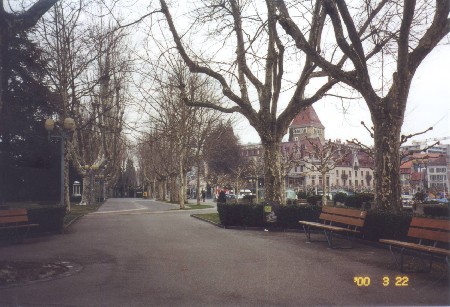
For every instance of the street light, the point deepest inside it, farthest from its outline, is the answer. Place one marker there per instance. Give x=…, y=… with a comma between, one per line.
x=63, y=132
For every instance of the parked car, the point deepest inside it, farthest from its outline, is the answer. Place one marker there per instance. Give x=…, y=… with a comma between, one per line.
x=442, y=200
x=407, y=200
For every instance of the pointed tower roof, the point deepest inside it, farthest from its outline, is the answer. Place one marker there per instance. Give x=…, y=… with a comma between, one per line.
x=307, y=118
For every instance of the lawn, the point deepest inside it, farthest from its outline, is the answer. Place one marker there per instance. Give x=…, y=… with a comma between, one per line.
x=76, y=211
x=212, y=217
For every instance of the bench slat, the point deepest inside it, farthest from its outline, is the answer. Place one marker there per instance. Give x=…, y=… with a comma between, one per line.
x=13, y=212
x=13, y=219
x=345, y=212
x=342, y=219
x=433, y=235
x=430, y=223
x=328, y=227
x=19, y=226
x=420, y=247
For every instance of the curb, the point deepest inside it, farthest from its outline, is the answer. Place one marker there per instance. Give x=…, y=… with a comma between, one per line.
x=208, y=221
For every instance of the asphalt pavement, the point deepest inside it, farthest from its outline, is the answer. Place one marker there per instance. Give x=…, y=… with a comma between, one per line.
x=136, y=252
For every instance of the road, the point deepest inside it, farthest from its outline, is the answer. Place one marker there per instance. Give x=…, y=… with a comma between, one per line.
x=143, y=253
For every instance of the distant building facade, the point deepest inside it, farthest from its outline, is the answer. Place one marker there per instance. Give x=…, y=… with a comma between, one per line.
x=353, y=168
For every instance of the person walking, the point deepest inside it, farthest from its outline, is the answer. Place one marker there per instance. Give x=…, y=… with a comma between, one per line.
x=203, y=195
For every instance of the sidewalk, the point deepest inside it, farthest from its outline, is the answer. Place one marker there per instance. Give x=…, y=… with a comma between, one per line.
x=156, y=258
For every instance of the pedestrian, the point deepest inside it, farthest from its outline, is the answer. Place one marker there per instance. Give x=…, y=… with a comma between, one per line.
x=222, y=197
x=203, y=195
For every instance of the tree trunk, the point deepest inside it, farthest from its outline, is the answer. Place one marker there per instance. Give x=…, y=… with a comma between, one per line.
x=324, y=189
x=3, y=173
x=3, y=49
x=387, y=130
x=66, y=177
x=272, y=172
x=182, y=180
x=198, y=182
x=86, y=196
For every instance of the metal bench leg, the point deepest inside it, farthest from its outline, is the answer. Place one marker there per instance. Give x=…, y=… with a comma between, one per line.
x=307, y=231
x=400, y=264
x=329, y=238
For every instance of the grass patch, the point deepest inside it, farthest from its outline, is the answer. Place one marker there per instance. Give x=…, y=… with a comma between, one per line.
x=212, y=217
x=195, y=207
x=76, y=211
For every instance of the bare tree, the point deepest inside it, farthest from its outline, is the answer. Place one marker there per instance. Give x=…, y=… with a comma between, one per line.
x=324, y=158
x=363, y=35
x=257, y=70
x=88, y=70
x=183, y=128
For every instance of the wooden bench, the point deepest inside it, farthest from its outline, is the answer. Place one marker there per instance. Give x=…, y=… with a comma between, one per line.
x=15, y=220
x=429, y=234
x=337, y=220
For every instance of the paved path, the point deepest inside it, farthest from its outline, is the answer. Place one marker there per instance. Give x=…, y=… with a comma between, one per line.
x=142, y=253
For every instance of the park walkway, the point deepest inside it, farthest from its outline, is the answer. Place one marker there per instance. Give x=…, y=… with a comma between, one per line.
x=143, y=253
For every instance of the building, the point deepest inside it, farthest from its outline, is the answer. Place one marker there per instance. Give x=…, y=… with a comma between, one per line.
x=422, y=171
x=437, y=176
x=350, y=167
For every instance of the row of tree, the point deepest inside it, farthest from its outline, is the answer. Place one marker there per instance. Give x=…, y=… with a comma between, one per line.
x=80, y=69
x=271, y=37
x=269, y=60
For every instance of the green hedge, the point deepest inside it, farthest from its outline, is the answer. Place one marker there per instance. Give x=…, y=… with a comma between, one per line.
x=437, y=210
x=288, y=216
x=339, y=197
x=313, y=199
x=241, y=215
x=357, y=200
x=253, y=215
x=381, y=224
x=50, y=219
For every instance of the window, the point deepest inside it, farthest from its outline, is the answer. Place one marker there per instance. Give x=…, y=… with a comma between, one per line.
x=362, y=173
x=356, y=173
x=362, y=183
x=431, y=170
x=337, y=172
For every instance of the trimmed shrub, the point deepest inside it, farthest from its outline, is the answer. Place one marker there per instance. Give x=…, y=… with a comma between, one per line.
x=288, y=216
x=249, y=198
x=253, y=215
x=50, y=219
x=357, y=200
x=241, y=215
x=302, y=195
x=339, y=197
x=437, y=210
x=382, y=224
x=420, y=197
x=313, y=199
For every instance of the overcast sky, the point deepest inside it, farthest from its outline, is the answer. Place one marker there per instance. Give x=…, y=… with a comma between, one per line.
x=428, y=103
x=428, y=106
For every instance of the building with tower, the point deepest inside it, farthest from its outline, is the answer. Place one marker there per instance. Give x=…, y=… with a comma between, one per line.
x=348, y=167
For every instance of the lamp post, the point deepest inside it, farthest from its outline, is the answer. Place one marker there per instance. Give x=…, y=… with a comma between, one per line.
x=63, y=132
